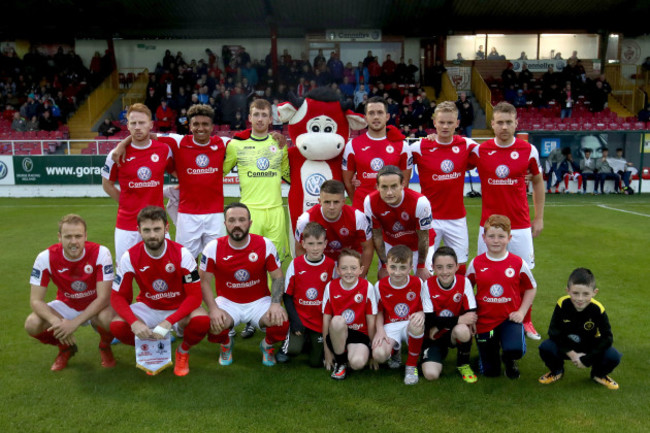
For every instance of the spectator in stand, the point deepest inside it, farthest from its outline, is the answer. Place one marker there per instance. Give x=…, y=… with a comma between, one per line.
x=18, y=124
x=361, y=108
x=347, y=88
x=603, y=79
x=361, y=74
x=411, y=69
x=388, y=69
x=549, y=78
x=369, y=58
x=406, y=118
x=644, y=114
x=539, y=99
x=335, y=67
x=428, y=113
x=436, y=77
x=624, y=168
x=606, y=172
x=510, y=93
x=238, y=124
x=409, y=99
x=466, y=115
x=567, y=170
x=164, y=116
x=250, y=74
x=646, y=64
x=525, y=76
x=182, y=123
x=480, y=54
x=401, y=71
x=458, y=60
x=494, y=54
x=286, y=57
x=374, y=69
x=417, y=111
x=359, y=95
x=323, y=77
x=393, y=111
x=558, y=56
x=348, y=73
x=520, y=100
x=598, y=97
x=508, y=76
x=33, y=124
x=181, y=99
x=523, y=56
x=566, y=101
x=588, y=171
x=107, y=129
x=152, y=100
x=420, y=133
x=47, y=123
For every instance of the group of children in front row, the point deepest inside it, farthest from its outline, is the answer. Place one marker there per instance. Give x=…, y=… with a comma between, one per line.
x=358, y=323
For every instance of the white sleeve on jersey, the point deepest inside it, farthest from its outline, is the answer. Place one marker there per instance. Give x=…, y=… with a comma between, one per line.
x=377, y=292
x=326, y=296
x=41, y=265
x=225, y=139
x=469, y=294
x=346, y=154
x=423, y=213
x=124, y=268
x=363, y=223
x=209, y=252
x=270, y=250
x=470, y=269
x=105, y=260
x=372, y=296
x=409, y=157
x=288, y=275
x=415, y=147
x=301, y=222
x=367, y=209
x=534, y=154
x=526, y=270
x=108, y=166
x=187, y=260
x=176, y=137
x=427, y=306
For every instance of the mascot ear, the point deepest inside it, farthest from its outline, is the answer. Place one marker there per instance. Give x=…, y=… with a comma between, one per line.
x=242, y=135
x=394, y=134
x=355, y=120
x=286, y=111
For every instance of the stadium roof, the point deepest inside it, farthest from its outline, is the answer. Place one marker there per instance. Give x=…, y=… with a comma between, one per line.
x=59, y=19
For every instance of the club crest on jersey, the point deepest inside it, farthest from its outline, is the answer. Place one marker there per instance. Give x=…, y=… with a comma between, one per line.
x=273, y=149
x=348, y=316
x=410, y=296
x=502, y=171
x=311, y=294
x=313, y=183
x=447, y=166
x=160, y=285
x=457, y=297
x=155, y=157
x=496, y=290
x=78, y=286
x=446, y=313
x=323, y=276
x=589, y=325
x=344, y=231
x=455, y=149
x=242, y=275
x=263, y=163
x=88, y=269
x=253, y=257
x=144, y=173
x=401, y=309
x=335, y=245
x=202, y=160
x=358, y=298
x=397, y=227
x=390, y=149
x=510, y=272
x=405, y=216
x=169, y=267
x=377, y=164
x=514, y=154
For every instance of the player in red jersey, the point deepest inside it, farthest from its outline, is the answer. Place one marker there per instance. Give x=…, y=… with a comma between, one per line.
x=349, y=311
x=400, y=216
x=450, y=309
x=503, y=164
x=505, y=289
x=241, y=262
x=82, y=272
x=170, y=291
x=140, y=178
x=400, y=317
x=441, y=165
x=305, y=281
x=346, y=226
x=366, y=154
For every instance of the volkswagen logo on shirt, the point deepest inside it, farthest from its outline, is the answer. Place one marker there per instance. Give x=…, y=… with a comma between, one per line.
x=242, y=275
x=397, y=227
x=144, y=173
x=311, y=294
x=263, y=163
x=496, y=290
x=202, y=160
x=348, y=316
x=313, y=183
x=446, y=313
x=402, y=310
x=377, y=164
x=78, y=286
x=160, y=286
x=502, y=171
x=447, y=166
x=335, y=245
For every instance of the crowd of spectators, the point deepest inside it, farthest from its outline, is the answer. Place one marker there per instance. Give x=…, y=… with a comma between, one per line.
x=39, y=92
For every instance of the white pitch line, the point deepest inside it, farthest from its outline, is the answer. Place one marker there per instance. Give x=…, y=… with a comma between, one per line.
x=623, y=210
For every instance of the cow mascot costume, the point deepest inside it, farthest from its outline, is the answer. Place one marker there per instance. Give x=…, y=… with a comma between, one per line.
x=319, y=127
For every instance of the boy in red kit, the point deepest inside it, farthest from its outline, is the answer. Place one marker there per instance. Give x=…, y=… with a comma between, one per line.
x=400, y=317
x=349, y=308
x=84, y=272
x=305, y=282
x=170, y=291
x=450, y=316
x=505, y=290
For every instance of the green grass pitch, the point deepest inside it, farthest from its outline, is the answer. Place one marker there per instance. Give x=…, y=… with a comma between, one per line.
x=608, y=234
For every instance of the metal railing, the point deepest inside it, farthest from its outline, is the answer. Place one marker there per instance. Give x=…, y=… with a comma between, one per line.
x=627, y=82
x=483, y=94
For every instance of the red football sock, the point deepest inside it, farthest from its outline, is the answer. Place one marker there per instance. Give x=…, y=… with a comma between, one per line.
x=195, y=331
x=527, y=318
x=105, y=337
x=414, y=348
x=566, y=181
x=122, y=331
x=579, y=182
x=276, y=333
x=222, y=338
x=47, y=337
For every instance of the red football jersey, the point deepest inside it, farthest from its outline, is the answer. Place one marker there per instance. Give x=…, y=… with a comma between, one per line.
x=398, y=303
x=168, y=282
x=353, y=304
x=451, y=302
x=241, y=274
x=500, y=284
x=502, y=171
x=350, y=230
x=441, y=169
x=399, y=223
x=199, y=168
x=76, y=281
x=366, y=156
x=306, y=282
x=140, y=178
